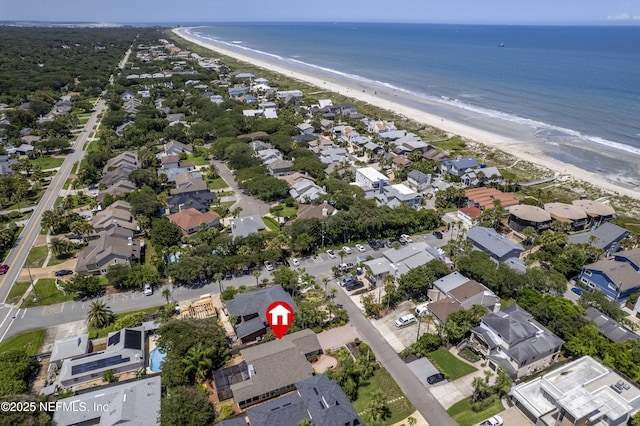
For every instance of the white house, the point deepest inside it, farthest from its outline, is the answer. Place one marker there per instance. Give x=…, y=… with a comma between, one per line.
x=368, y=177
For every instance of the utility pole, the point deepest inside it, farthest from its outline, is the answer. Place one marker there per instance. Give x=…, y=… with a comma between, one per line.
x=419, y=322
x=35, y=295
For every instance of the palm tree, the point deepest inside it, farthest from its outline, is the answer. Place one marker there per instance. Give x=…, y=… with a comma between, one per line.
x=342, y=254
x=99, y=315
x=58, y=246
x=256, y=275
x=197, y=361
x=334, y=292
x=50, y=220
x=479, y=388
x=377, y=409
x=428, y=320
x=166, y=293
x=218, y=277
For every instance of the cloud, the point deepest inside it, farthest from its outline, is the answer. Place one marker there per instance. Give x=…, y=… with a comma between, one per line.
x=626, y=16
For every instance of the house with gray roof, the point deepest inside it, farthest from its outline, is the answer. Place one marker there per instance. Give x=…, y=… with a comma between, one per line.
x=251, y=310
x=513, y=339
x=117, y=214
x=243, y=226
x=610, y=328
x=334, y=155
x=132, y=403
x=174, y=147
x=481, y=176
x=617, y=277
x=69, y=348
x=113, y=246
x=495, y=245
x=288, y=410
x=305, y=128
x=395, y=195
x=305, y=191
x=606, y=237
x=279, y=167
x=124, y=352
x=418, y=181
x=127, y=161
x=458, y=167
x=190, y=183
x=274, y=368
x=399, y=262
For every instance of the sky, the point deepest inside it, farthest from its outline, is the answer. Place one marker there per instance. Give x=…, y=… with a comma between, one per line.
x=434, y=11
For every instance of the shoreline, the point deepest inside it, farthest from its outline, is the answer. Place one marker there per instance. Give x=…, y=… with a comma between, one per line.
x=486, y=131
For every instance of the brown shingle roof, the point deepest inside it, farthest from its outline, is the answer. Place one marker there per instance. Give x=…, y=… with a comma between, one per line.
x=594, y=208
x=484, y=197
x=192, y=218
x=565, y=212
x=530, y=213
x=443, y=308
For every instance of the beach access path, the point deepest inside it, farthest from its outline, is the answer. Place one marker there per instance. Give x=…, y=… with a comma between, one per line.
x=485, y=130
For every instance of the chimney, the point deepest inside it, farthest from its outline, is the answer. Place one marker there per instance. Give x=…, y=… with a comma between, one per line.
x=325, y=212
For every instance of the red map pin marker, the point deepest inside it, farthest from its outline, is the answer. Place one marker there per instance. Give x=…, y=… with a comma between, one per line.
x=279, y=317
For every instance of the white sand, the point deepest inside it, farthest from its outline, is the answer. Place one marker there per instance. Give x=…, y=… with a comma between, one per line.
x=463, y=123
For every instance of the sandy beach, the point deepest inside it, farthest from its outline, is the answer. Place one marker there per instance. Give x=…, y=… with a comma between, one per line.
x=481, y=129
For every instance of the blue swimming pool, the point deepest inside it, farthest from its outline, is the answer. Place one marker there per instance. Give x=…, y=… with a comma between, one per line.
x=156, y=358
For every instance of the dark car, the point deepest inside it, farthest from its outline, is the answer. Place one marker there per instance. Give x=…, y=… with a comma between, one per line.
x=577, y=290
x=438, y=235
x=286, y=263
x=435, y=378
x=3, y=269
x=374, y=245
x=228, y=275
x=63, y=272
x=388, y=243
x=352, y=285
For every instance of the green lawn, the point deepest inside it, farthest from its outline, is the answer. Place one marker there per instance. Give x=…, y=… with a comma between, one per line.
x=58, y=259
x=271, y=223
x=221, y=194
x=47, y=162
x=462, y=414
x=451, y=366
x=16, y=292
x=400, y=409
x=217, y=183
x=96, y=333
x=149, y=252
x=289, y=211
x=48, y=294
x=227, y=203
x=198, y=161
x=30, y=341
x=37, y=256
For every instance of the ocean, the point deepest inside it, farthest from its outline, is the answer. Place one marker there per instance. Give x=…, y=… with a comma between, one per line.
x=578, y=87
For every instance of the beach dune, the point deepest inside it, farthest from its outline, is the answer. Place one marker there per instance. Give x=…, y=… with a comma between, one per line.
x=488, y=131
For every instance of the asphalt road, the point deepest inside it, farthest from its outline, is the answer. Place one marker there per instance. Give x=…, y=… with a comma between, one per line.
x=18, y=255
x=250, y=205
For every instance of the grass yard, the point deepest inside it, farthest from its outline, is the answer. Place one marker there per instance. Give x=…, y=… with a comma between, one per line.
x=217, y=183
x=451, y=366
x=271, y=223
x=48, y=294
x=96, y=333
x=47, y=162
x=60, y=258
x=37, y=256
x=400, y=409
x=16, y=292
x=227, y=203
x=463, y=415
x=30, y=341
x=198, y=161
x=221, y=194
x=149, y=252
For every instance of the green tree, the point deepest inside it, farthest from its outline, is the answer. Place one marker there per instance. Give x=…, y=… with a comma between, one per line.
x=186, y=406
x=86, y=286
x=165, y=233
x=197, y=362
x=287, y=278
x=99, y=315
x=377, y=410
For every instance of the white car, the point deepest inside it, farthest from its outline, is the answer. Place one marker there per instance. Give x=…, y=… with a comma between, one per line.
x=295, y=261
x=493, y=421
x=406, y=238
x=346, y=250
x=405, y=320
x=421, y=310
x=360, y=248
x=268, y=265
x=331, y=254
x=148, y=290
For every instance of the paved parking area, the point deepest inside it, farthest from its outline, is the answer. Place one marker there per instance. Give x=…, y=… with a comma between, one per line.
x=512, y=416
x=423, y=368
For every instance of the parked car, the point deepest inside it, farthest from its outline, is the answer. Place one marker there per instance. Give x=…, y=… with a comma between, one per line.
x=63, y=272
x=331, y=254
x=345, y=267
x=421, y=310
x=405, y=320
x=402, y=240
x=346, y=280
x=406, y=238
x=286, y=263
x=438, y=235
x=374, y=245
x=346, y=250
x=435, y=378
x=360, y=248
x=493, y=421
x=388, y=243
x=295, y=261
x=3, y=269
x=353, y=285
x=148, y=290
x=228, y=275
x=268, y=265
x=577, y=290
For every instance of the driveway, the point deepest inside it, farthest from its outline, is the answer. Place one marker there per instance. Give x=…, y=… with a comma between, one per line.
x=423, y=368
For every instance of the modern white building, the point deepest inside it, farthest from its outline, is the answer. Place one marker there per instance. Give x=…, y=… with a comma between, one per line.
x=368, y=177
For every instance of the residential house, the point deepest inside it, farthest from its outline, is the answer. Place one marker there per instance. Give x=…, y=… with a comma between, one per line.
x=418, y=180
x=284, y=94
x=305, y=128
x=481, y=176
x=568, y=213
x=395, y=195
x=617, y=277
x=188, y=183
x=598, y=212
x=318, y=399
x=124, y=353
x=279, y=167
x=305, y=191
x=194, y=200
x=458, y=167
x=117, y=189
x=434, y=154
x=399, y=262
x=22, y=149
x=523, y=216
x=399, y=162
x=410, y=143
x=334, y=155
x=456, y=292
x=606, y=237
x=392, y=135
x=131, y=106
x=269, y=155
x=236, y=92
x=117, y=214
x=191, y=220
x=127, y=95
x=6, y=163
x=121, y=128
x=129, y=403
x=70, y=347
x=241, y=227
x=582, y=392
x=308, y=211
x=495, y=245
x=469, y=215
x=127, y=161
x=114, y=176
x=380, y=126
x=514, y=340
x=485, y=198
x=274, y=368
x=112, y=247
x=170, y=161
x=368, y=178
x=610, y=328
x=173, y=147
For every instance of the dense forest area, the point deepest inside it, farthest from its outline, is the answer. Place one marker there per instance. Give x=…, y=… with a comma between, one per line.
x=59, y=59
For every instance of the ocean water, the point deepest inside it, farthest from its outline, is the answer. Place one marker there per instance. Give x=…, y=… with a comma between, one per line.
x=579, y=87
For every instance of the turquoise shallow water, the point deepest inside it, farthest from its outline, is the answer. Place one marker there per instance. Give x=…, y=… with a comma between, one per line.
x=156, y=358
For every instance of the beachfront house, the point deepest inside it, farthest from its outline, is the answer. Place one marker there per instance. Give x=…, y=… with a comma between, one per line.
x=495, y=245
x=458, y=167
x=568, y=213
x=617, y=277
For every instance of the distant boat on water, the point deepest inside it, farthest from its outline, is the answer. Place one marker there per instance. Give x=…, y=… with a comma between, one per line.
x=501, y=45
